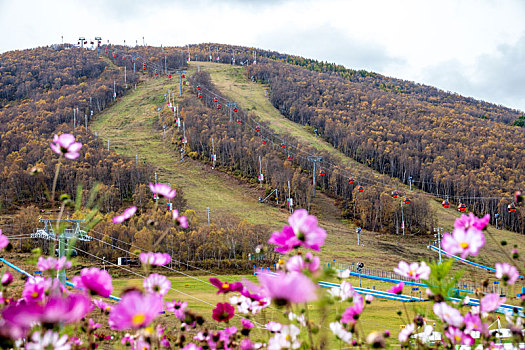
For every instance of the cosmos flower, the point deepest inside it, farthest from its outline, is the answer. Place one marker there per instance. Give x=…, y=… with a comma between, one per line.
x=158, y=259
x=51, y=263
x=65, y=144
x=69, y=309
x=457, y=336
x=35, y=292
x=298, y=264
x=7, y=278
x=287, y=288
x=286, y=338
x=127, y=214
x=247, y=344
x=303, y=231
x=96, y=281
x=178, y=308
x=340, y=332
x=369, y=298
x=507, y=273
x=225, y=287
x=462, y=242
x=93, y=325
x=490, y=302
x=102, y=305
x=352, y=313
x=413, y=271
x=18, y=318
x=406, y=332
x=223, y=312
x=191, y=346
x=274, y=327
x=397, y=289
x=48, y=340
x=157, y=284
x=246, y=323
x=135, y=311
x=163, y=190
x=4, y=241
x=465, y=223
x=181, y=221
x=344, y=292
x=448, y=314
x=343, y=273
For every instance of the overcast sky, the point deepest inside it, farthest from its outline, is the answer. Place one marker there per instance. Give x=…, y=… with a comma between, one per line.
x=473, y=47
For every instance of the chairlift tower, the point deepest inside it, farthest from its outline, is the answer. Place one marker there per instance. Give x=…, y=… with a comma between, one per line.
x=232, y=106
x=98, y=40
x=81, y=40
x=180, y=73
x=72, y=233
x=315, y=160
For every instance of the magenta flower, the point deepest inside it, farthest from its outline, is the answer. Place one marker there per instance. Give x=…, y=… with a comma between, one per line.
x=223, y=312
x=191, y=346
x=462, y=242
x=158, y=259
x=406, y=332
x=157, y=284
x=126, y=215
x=448, y=314
x=397, y=289
x=17, y=319
x=456, y=336
x=490, y=302
x=465, y=223
x=298, y=264
x=413, y=271
x=7, y=278
x=96, y=281
x=65, y=144
x=247, y=344
x=102, y=305
x=181, y=221
x=4, y=241
x=162, y=190
x=93, y=325
x=135, y=311
x=472, y=323
x=287, y=288
x=352, y=313
x=507, y=273
x=225, y=287
x=68, y=309
x=34, y=292
x=303, y=231
x=246, y=323
x=51, y=263
x=178, y=308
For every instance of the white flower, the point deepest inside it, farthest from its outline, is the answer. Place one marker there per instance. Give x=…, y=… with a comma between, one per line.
x=406, y=332
x=301, y=319
x=50, y=340
x=344, y=292
x=286, y=339
x=343, y=273
x=248, y=306
x=157, y=284
x=274, y=326
x=341, y=333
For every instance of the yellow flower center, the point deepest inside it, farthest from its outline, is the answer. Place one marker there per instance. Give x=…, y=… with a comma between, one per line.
x=108, y=308
x=34, y=295
x=288, y=338
x=281, y=262
x=457, y=338
x=225, y=285
x=138, y=319
x=464, y=245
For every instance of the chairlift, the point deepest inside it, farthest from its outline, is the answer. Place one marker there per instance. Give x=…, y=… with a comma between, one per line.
x=235, y=109
x=283, y=146
x=239, y=121
x=144, y=66
x=184, y=82
x=169, y=75
x=215, y=100
x=257, y=128
x=219, y=106
x=290, y=157
x=114, y=54
x=183, y=76
x=360, y=189
x=322, y=173
x=511, y=208
x=263, y=141
x=445, y=204
x=199, y=95
x=156, y=72
x=406, y=200
x=123, y=58
x=351, y=180
x=198, y=87
x=394, y=194
x=462, y=207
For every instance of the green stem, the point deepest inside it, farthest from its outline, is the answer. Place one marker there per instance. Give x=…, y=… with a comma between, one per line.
x=55, y=181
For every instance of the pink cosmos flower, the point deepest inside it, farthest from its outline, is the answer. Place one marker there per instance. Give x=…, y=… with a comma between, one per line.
x=96, y=281
x=344, y=292
x=274, y=327
x=297, y=264
x=406, y=332
x=34, y=292
x=369, y=298
x=93, y=325
x=340, y=332
x=162, y=190
x=126, y=215
x=225, y=287
x=7, y=278
x=456, y=336
x=448, y=314
x=102, y=305
x=17, y=319
x=223, y=312
x=413, y=271
x=51, y=263
x=48, y=340
x=490, y=302
x=463, y=242
x=65, y=144
x=303, y=231
x=397, y=289
x=287, y=288
x=66, y=310
x=158, y=259
x=127, y=340
x=4, y=241
x=465, y=223
x=472, y=323
x=191, y=346
x=507, y=273
x=246, y=323
x=352, y=313
x=157, y=284
x=178, y=308
x=181, y=221
x=135, y=311
x=247, y=344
